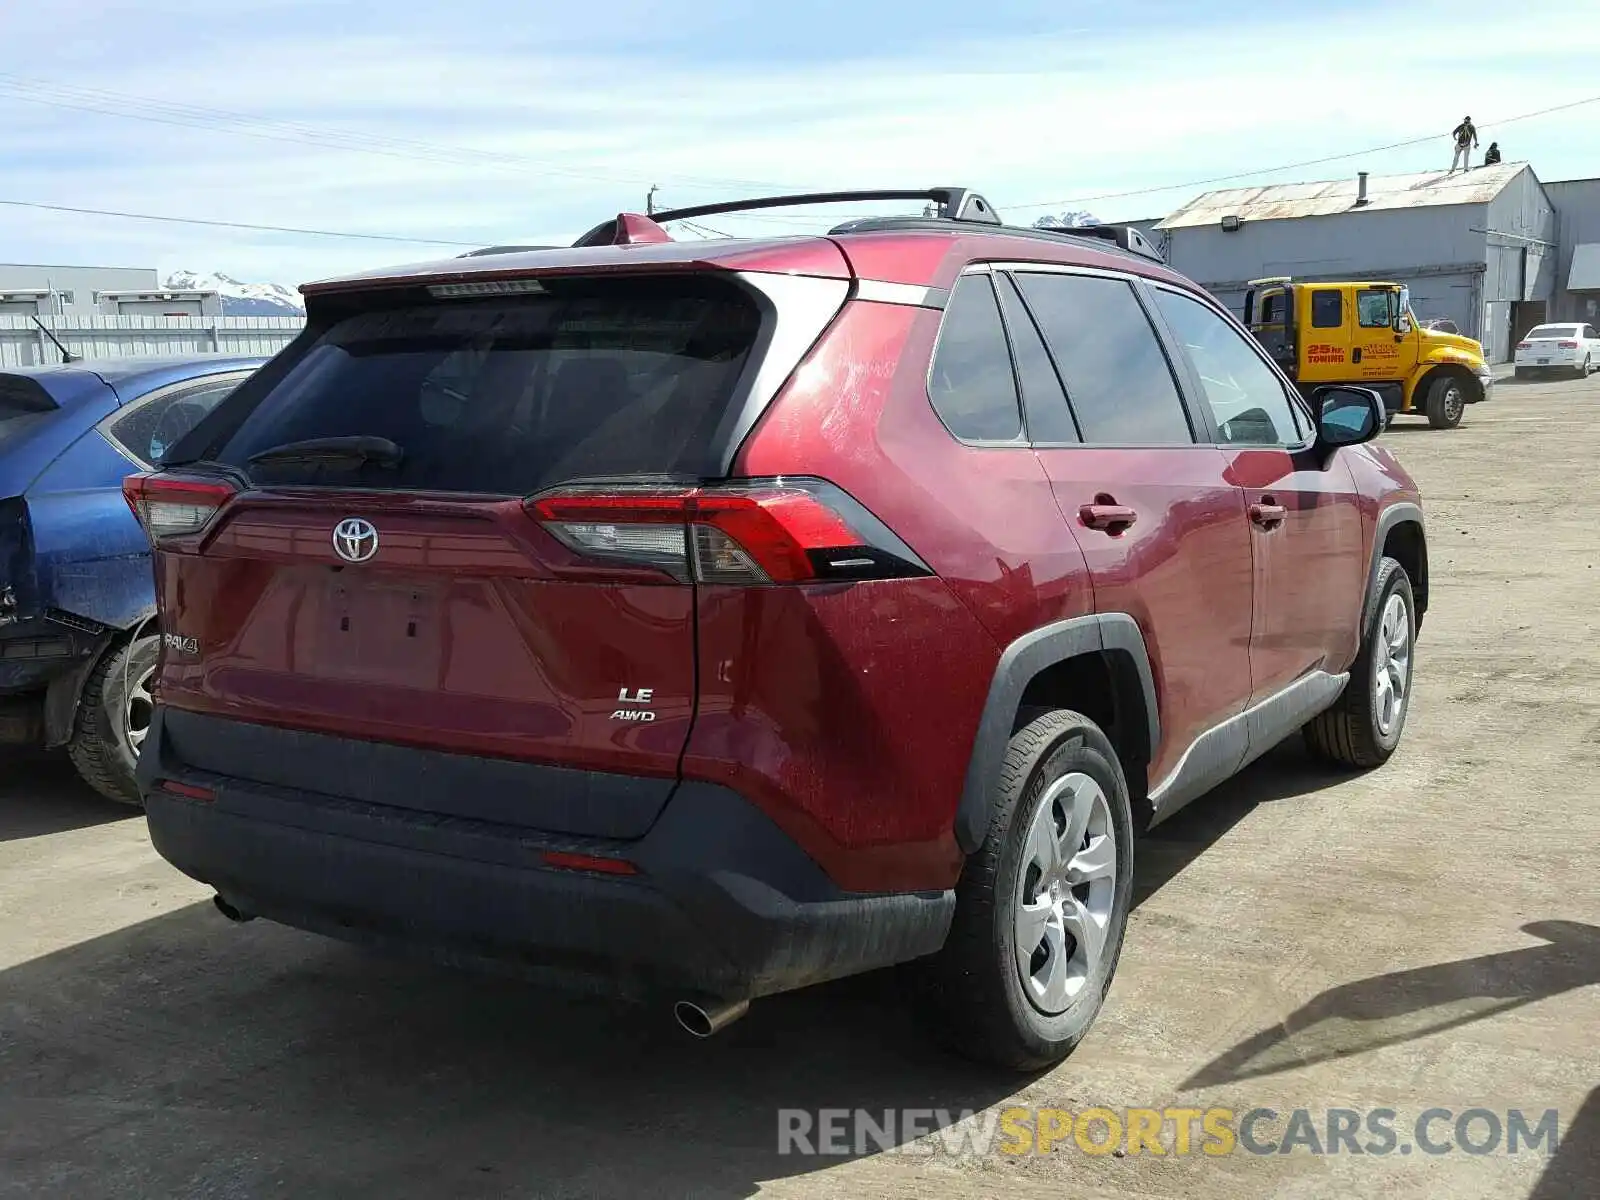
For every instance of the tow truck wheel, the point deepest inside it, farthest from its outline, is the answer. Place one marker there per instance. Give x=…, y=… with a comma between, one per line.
x=1447, y=402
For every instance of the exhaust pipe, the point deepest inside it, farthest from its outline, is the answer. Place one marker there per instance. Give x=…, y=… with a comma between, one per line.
x=233, y=914
x=703, y=1019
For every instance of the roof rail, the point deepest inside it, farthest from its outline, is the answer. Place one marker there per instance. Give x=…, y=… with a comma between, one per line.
x=1125, y=237
x=955, y=204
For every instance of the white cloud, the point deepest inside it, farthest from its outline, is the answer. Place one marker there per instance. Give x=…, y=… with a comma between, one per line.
x=1058, y=117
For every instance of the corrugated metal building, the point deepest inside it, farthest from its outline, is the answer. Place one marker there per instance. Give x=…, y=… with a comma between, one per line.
x=1478, y=247
x=1577, y=296
x=33, y=289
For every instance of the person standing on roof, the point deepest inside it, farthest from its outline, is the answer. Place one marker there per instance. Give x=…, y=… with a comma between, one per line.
x=1492, y=155
x=1466, y=136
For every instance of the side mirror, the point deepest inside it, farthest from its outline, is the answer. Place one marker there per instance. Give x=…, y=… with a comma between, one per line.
x=1348, y=416
x=1402, y=323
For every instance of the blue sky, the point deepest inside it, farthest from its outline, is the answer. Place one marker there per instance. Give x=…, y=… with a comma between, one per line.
x=488, y=121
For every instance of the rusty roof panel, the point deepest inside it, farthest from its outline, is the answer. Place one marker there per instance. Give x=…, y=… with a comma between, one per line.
x=1278, y=202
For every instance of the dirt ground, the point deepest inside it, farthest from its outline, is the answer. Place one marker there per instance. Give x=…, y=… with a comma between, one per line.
x=1425, y=936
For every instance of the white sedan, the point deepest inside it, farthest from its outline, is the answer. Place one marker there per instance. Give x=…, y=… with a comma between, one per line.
x=1559, y=348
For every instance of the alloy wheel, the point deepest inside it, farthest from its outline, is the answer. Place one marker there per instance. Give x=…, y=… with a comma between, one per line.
x=1066, y=891
x=1391, y=667
x=138, y=708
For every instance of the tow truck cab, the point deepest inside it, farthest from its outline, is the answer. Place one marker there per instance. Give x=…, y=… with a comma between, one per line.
x=1366, y=334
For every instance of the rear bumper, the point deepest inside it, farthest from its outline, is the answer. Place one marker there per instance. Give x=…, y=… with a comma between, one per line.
x=723, y=902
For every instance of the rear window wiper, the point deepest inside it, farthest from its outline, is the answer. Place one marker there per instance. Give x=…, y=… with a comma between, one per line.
x=333, y=451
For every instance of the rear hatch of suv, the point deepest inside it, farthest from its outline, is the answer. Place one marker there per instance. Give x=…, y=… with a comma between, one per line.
x=366, y=590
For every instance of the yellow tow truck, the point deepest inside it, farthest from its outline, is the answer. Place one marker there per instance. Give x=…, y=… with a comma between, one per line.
x=1366, y=334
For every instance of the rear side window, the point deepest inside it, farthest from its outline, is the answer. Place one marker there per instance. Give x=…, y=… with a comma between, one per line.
x=509, y=396
x=1327, y=310
x=150, y=426
x=1118, y=380
x=972, y=384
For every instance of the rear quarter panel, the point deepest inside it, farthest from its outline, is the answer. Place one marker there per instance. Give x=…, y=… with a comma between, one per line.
x=91, y=557
x=849, y=714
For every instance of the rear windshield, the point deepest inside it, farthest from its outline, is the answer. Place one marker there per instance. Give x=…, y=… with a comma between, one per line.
x=514, y=394
x=23, y=404
x=1550, y=331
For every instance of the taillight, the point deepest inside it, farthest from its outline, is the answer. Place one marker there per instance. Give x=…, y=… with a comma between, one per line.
x=1568, y=345
x=1524, y=345
x=171, y=506
x=758, y=531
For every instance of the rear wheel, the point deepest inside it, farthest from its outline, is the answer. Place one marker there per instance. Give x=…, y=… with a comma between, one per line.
x=1447, y=402
x=1041, y=906
x=113, y=718
x=1363, y=728
x=1588, y=366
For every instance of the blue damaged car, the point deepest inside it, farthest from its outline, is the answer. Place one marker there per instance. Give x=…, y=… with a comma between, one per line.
x=77, y=594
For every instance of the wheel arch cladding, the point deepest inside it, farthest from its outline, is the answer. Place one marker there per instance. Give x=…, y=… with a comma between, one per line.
x=1400, y=535
x=1109, y=643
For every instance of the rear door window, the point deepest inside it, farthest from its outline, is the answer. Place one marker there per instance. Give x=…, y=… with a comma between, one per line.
x=1049, y=419
x=972, y=383
x=512, y=395
x=1118, y=380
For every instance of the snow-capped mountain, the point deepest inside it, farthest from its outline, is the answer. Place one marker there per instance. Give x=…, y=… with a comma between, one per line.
x=241, y=299
x=1067, y=220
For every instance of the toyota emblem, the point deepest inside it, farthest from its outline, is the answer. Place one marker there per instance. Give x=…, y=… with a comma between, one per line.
x=355, y=540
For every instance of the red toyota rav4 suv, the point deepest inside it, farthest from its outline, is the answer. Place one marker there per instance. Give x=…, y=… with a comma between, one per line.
x=729, y=616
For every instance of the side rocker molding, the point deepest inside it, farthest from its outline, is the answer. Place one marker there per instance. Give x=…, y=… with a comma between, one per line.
x=1229, y=747
x=1397, y=513
x=1033, y=652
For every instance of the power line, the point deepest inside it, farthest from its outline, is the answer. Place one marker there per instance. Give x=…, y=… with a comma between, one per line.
x=144, y=108
x=330, y=233
x=1310, y=162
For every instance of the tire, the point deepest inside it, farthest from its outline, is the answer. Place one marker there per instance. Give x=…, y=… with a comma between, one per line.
x=1521, y=373
x=1057, y=767
x=1447, y=402
x=112, y=714
x=1587, y=368
x=1354, y=732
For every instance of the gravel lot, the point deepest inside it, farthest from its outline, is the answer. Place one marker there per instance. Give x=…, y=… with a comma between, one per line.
x=1424, y=936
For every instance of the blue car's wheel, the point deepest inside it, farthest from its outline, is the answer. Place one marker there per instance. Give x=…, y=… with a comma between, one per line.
x=113, y=717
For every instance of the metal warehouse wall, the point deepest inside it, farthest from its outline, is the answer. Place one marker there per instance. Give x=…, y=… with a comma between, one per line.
x=22, y=343
x=1432, y=249
x=1520, y=257
x=82, y=282
x=1577, y=203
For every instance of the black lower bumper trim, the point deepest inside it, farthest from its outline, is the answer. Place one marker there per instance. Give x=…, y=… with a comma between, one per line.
x=724, y=903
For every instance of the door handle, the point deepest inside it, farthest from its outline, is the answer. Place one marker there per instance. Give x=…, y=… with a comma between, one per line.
x=1107, y=517
x=1355, y=355
x=1267, y=514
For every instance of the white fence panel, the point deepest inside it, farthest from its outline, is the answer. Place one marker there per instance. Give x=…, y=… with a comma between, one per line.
x=24, y=344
